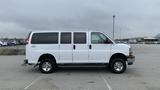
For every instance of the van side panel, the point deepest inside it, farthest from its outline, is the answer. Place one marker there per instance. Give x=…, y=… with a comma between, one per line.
x=34, y=51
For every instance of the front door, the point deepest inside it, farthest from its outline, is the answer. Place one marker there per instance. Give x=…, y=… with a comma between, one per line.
x=100, y=46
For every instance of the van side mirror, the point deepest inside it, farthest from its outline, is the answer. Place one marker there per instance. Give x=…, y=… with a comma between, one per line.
x=108, y=41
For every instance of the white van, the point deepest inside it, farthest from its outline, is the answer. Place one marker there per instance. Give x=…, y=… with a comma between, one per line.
x=50, y=49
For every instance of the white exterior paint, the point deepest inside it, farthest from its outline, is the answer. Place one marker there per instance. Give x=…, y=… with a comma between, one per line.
x=64, y=53
x=120, y=48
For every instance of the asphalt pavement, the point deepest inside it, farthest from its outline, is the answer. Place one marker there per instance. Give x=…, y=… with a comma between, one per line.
x=143, y=75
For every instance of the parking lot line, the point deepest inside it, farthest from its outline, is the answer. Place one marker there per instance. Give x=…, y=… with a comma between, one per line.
x=106, y=83
x=33, y=82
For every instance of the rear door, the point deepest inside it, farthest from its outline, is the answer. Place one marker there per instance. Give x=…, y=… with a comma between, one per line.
x=80, y=47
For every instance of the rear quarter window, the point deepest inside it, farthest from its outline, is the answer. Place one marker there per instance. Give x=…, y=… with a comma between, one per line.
x=45, y=38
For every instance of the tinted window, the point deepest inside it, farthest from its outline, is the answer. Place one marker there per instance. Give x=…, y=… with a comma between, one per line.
x=79, y=38
x=99, y=38
x=66, y=38
x=45, y=38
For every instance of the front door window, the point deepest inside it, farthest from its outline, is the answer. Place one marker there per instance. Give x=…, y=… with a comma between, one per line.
x=99, y=38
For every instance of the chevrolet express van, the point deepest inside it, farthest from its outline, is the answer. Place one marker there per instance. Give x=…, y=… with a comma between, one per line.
x=50, y=49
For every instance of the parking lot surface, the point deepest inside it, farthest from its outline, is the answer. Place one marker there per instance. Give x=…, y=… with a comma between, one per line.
x=143, y=75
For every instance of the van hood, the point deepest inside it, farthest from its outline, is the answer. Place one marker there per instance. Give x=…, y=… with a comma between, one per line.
x=122, y=45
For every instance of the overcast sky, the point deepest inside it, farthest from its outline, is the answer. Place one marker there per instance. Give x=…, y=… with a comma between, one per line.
x=133, y=17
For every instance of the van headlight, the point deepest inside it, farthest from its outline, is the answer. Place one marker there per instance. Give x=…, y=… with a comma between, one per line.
x=130, y=51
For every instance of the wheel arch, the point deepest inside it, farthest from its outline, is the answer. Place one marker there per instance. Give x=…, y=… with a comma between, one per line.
x=46, y=55
x=118, y=55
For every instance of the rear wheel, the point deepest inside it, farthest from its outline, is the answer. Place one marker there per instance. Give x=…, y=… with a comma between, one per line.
x=118, y=65
x=47, y=65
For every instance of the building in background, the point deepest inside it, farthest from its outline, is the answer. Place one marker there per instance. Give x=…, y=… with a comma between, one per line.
x=158, y=37
x=140, y=40
x=150, y=40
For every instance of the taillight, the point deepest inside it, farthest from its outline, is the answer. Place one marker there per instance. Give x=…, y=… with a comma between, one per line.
x=26, y=41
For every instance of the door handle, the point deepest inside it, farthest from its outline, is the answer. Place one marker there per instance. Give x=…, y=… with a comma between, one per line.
x=74, y=47
x=90, y=46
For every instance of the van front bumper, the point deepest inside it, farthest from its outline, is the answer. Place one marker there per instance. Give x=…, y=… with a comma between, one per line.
x=130, y=59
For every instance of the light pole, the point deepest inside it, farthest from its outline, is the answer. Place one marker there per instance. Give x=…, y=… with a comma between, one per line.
x=113, y=24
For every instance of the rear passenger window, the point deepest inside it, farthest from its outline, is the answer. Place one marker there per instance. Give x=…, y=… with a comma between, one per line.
x=79, y=38
x=45, y=38
x=65, y=38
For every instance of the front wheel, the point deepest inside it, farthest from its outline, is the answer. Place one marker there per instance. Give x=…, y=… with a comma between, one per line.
x=47, y=66
x=118, y=65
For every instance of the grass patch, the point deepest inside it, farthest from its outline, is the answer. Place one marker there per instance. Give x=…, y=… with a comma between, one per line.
x=6, y=51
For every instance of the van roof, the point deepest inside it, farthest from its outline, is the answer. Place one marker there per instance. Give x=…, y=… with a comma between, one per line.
x=60, y=31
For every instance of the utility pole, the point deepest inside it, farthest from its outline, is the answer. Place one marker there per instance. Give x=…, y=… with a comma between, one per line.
x=113, y=25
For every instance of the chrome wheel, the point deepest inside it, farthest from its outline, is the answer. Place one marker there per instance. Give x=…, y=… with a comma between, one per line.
x=118, y=66
x=46, y=66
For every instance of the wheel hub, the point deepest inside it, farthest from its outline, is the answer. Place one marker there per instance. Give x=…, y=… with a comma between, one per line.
x=118, y=66
x=46, y=66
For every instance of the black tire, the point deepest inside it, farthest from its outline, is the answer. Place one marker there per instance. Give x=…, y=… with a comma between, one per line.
x=118, y=65
x=49, y=64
